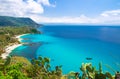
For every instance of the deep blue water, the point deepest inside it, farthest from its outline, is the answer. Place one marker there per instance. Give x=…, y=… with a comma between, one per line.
x=70, y=45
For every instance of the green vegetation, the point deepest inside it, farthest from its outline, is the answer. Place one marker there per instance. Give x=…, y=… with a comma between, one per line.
x=7, y=35
x=90, y=72
x=21, y=68
x=15, y=21
x=40, y=68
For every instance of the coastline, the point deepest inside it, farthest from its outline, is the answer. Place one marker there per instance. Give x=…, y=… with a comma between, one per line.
x=10, y=48
x=18, y=36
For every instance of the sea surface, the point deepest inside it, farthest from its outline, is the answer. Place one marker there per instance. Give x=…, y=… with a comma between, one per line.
x=71, y=45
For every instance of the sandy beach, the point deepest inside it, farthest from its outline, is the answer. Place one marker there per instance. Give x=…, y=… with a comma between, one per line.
x=9, y=48
x=18, y=36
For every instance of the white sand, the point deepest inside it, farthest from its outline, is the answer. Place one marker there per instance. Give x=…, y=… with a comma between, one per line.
x=10, y=48
x=18, y=36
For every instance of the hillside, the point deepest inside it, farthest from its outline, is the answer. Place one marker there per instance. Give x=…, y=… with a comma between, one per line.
x=15, y=21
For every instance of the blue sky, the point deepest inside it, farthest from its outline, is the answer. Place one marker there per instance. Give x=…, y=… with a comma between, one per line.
x=64, y=11
x=77, y=7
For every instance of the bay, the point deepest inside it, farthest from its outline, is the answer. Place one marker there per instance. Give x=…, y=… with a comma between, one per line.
x=71, y=45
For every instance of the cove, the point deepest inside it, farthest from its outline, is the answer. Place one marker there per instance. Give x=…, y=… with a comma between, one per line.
x=70, y=45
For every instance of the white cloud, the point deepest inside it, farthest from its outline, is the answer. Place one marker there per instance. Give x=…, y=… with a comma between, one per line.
x=80, y=19
x=45, y=2
x=22, y=7
x=34, y=9
x=111, y=17
x=111, y=13
x=106, y=17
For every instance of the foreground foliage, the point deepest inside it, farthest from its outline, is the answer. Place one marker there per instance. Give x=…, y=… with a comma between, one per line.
x=20, y=68
x=37, y=69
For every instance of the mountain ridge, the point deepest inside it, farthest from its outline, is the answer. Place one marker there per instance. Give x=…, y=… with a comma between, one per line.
x=17, y=21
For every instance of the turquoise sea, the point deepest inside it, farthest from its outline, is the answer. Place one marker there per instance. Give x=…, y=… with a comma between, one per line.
x=70, y=45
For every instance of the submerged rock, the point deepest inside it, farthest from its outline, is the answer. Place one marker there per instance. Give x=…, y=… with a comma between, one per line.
x=88, y=58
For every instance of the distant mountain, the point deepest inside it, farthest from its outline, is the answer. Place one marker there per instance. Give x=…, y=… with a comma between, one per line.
x=15, y=21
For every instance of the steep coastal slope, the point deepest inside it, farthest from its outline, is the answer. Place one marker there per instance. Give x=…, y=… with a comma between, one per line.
x=16, y=21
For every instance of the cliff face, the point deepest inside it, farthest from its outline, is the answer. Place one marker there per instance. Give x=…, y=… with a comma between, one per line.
x=15, y=21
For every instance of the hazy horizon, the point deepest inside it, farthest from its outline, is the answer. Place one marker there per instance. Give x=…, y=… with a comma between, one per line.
x=104, y=12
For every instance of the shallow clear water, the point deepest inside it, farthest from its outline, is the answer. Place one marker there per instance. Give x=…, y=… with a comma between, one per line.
x=70, y=45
